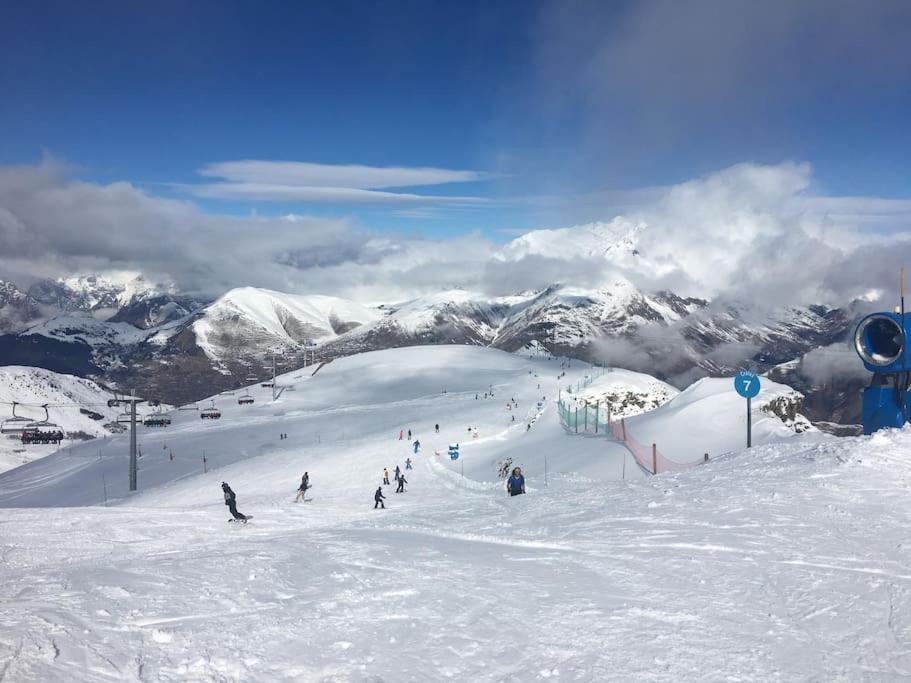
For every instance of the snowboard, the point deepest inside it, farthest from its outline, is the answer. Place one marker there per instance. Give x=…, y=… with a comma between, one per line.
x=244, y=521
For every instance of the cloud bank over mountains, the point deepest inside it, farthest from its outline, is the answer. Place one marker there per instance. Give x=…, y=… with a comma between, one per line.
x=749, y=232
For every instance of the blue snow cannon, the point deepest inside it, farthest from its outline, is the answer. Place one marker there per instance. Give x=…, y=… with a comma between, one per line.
x=880, y=342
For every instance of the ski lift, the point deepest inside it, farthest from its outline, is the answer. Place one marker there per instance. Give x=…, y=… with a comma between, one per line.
x=157, y=419
x=14, y=424
x=211, y=413
x=267, y=385
x=188, y=406
x=252, y=378
x=245, y=400
x=227, y=392
x=42, y=431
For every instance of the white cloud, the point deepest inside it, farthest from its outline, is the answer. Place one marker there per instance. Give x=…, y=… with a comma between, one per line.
x=294, y=181
x=748, y=232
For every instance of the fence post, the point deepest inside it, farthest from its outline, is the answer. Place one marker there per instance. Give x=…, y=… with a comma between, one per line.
x=623, y=425
x=597, y=414
x=706, y=458
x=585, y=428
x=654, y=459
x=608, y=414
x=577, y=419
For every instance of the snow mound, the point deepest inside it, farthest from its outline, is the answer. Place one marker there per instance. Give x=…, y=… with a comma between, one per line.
x=710, y=417
x=628, y=393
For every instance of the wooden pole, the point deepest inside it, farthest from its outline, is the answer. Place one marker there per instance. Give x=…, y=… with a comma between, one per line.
x=654, y=459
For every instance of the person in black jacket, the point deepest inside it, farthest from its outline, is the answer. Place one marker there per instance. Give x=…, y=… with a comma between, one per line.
x=378, y=498
x=231, y=502
x=302, y=489
x=402, y=482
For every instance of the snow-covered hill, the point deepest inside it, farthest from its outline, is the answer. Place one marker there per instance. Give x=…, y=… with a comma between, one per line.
x=34, y=387
x=628, y=393
x=709, y=417
x=739, y=569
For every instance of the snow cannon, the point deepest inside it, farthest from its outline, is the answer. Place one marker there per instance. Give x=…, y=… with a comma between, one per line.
x=880, y=342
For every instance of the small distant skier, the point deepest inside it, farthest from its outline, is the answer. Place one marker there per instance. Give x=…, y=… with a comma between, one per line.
x=436, y=428
x=513, y=418
x=398, y=472
x=385, y=476
x=409, y=435
x=417, y=446
x=475, y=397
x=231, y=502
x=408, y=464
x=402, y=482
x=401, y=434
x=302, y=490
x=378, y=498
x=515, y=485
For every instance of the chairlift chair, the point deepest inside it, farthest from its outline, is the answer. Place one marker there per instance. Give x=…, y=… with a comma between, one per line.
x=42, y=431
x=211, y=413
x=188, y=406
x=245, y=400
x=14, y=424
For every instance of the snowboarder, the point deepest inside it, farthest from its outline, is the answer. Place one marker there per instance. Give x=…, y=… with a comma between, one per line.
x=515, y=485
x=302, y=490
x=408, y=464
x=417, y=445
x=402, y=482
x=385, y=476
x=437, y=428
x=378, y=498
x=231, y=502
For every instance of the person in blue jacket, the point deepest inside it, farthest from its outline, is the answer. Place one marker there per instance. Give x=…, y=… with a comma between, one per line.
x=515, y=485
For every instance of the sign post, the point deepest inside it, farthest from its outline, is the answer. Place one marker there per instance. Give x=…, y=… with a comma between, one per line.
x=746, y=384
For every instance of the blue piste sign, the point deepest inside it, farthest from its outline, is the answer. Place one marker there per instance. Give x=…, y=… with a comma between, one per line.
x=746, y=384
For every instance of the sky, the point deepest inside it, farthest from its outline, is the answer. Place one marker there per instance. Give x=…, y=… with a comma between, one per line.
x=381, y=149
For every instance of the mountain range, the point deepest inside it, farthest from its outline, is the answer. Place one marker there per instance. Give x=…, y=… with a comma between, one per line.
x=126, y=332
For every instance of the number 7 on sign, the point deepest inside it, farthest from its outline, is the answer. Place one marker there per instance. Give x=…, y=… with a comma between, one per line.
x=746, y=384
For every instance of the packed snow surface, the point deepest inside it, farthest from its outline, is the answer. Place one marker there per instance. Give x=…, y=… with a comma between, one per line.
x=758, y=566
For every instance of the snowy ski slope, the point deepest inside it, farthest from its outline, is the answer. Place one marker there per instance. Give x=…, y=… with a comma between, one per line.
x=760, y=566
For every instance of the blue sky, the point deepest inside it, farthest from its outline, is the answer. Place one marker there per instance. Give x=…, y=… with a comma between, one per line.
x=557, y=106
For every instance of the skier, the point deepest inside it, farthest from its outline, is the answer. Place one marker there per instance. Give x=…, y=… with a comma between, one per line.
x=378, y=498
x=402, y=482
x=409, y=435
x=408, y=464
x=302, y=490
x=401, y=434
x=437, y=428
x=385, y=476
x=231, y=502
x=417, y=446
x=515, y=485
x=398, y=472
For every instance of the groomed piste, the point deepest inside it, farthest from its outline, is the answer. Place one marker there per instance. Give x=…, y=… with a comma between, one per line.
x=787, y=561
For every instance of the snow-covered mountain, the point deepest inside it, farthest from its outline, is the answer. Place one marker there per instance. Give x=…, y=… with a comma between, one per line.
x=250, y=320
